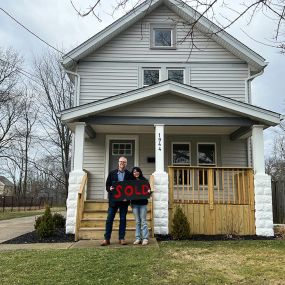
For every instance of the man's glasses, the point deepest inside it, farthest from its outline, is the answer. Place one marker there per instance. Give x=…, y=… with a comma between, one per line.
x=122, y=161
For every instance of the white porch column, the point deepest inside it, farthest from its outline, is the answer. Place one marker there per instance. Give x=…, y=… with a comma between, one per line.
x=160, y=195
x=75, y=177
x=262, y=186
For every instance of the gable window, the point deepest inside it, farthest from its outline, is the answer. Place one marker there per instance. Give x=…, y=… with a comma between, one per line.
x=150, y=76
x=163, y=36
x=176, y=75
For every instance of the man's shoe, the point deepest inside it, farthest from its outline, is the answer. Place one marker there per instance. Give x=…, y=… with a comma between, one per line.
x=136, y=242
x=145, y=242
x=105, y=242
x=123, y=242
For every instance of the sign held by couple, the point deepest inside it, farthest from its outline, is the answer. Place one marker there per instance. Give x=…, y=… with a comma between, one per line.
x=131, y=190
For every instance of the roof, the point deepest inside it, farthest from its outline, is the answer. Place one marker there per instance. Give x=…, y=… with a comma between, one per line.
x=187, y=13
x=6, y=182
x=196, y=94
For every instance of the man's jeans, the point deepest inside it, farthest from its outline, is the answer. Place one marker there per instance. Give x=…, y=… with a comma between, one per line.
x=141, y=222
x=110, y=219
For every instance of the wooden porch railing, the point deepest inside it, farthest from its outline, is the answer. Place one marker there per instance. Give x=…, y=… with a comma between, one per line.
x=80, y=204
x=212, y=185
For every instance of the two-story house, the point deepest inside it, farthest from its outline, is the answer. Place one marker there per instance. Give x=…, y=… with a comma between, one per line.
x=180, y=108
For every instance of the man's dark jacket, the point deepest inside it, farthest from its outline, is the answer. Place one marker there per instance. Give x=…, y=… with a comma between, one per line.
x=113, y=177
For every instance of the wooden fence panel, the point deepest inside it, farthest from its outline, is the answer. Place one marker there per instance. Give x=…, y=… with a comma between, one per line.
x=278, y=201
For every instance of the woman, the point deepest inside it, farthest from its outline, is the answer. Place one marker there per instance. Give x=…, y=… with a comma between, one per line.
x=140, y=210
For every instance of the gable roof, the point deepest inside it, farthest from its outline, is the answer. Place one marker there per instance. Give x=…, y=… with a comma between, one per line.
x=205, y=97
x=6, y=182
x=187, y=13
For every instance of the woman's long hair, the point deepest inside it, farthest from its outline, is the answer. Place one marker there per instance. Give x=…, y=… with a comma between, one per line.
x=137, y=169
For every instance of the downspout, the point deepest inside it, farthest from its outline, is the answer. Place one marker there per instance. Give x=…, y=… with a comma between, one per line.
x=77, y=86
x=248, y=100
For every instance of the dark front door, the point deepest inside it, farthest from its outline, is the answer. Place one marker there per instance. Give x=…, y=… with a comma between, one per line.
x=120, y=148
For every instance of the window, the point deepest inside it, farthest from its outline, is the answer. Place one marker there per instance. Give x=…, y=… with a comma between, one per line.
x=207, y=157
x=122, y=149
x=150, y=76
x=176, y=75
x=207, y=154
x=180, y=153
x=163, y=36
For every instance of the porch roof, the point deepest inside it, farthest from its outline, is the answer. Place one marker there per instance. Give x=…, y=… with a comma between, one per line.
x=245, y=110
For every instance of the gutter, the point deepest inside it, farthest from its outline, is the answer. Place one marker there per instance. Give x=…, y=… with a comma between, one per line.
x=247, y=85
x=77, y=87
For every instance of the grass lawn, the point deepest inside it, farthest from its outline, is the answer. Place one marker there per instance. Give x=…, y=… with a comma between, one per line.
x=187, y=262
x=6, y=215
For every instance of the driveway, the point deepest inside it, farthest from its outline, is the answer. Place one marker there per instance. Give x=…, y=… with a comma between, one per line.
x=15, y=227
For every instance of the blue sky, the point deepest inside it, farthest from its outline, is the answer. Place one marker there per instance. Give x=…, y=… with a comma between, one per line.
x=57, y=23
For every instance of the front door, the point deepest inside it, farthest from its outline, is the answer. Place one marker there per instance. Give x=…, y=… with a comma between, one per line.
x=120, y=148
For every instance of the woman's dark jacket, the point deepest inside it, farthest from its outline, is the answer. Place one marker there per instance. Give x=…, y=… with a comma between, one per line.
x=141, y=201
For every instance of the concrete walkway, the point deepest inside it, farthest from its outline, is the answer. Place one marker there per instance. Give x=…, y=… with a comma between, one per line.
x=15, y=227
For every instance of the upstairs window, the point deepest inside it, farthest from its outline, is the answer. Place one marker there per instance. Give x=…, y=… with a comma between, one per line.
x=151, y=76
x=176, y=75
x=163, y=36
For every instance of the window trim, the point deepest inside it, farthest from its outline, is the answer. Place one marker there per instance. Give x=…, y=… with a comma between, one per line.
x=172, y=68
x=150, y=68
x=170, y=26
x=189, y=143
x=206, y=164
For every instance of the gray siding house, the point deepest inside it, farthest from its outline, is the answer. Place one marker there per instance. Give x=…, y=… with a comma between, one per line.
x=181, y=110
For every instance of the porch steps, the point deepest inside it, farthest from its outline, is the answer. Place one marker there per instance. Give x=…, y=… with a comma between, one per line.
x=92, y=224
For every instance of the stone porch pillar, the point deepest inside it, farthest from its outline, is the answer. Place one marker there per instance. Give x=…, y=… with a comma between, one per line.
x=160, y=195
x=75, y=177
x=262, y=186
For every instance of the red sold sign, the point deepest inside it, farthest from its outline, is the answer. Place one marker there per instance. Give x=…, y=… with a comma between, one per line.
x=131, y=190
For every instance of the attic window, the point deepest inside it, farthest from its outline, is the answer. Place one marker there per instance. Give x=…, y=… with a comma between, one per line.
x=163, y=36
x=151, y=76
x=176, y=75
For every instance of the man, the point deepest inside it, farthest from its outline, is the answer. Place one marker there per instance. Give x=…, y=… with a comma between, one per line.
x=120, y=174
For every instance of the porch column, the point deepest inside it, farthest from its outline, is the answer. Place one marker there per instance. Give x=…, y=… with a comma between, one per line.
x=262, y=186
x=75, y=177
x=160, y=195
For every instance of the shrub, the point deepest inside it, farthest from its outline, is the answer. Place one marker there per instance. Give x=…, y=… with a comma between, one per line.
x=44, y=224
x=180, y=225
x=59, y=220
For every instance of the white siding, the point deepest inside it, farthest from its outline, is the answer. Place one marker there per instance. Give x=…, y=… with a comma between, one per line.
x=133, y=44
x=222, y=79
x=168, y=105
x=234, y=153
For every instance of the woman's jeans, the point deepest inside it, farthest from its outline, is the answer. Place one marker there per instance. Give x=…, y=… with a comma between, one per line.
x=141, y=222
x=110, y=219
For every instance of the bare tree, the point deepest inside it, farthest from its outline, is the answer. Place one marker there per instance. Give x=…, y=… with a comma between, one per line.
x=271, y=9
x=54, y=94
x=10, y=97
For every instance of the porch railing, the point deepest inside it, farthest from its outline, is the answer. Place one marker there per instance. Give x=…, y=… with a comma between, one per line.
x=80, y=204
x=212, y=185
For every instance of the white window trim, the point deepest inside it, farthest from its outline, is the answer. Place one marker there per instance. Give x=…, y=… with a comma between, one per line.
x=107, y=147
x=170, y=26
x=206, y=164
x=150, y=68
x=172, y=143
x=178, y=68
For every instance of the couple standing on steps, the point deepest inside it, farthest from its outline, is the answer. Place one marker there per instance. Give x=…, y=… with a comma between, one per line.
x=139, y=206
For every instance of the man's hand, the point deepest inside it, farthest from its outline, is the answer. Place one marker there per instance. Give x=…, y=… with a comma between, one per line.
x=112, y=188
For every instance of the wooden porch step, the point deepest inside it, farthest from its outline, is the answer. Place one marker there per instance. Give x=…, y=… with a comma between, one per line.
x=100, y=222
x=98, y=233
x=98, y=205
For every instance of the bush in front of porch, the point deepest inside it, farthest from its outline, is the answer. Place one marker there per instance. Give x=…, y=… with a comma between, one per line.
x=180, y=225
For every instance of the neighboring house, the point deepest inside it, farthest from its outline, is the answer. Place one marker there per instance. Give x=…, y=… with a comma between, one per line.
x=6, y=186
x=181, y=111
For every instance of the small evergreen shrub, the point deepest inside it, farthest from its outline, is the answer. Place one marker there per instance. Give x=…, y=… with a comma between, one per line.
x=59, y=220
x=180, y=225
x=44, y=224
